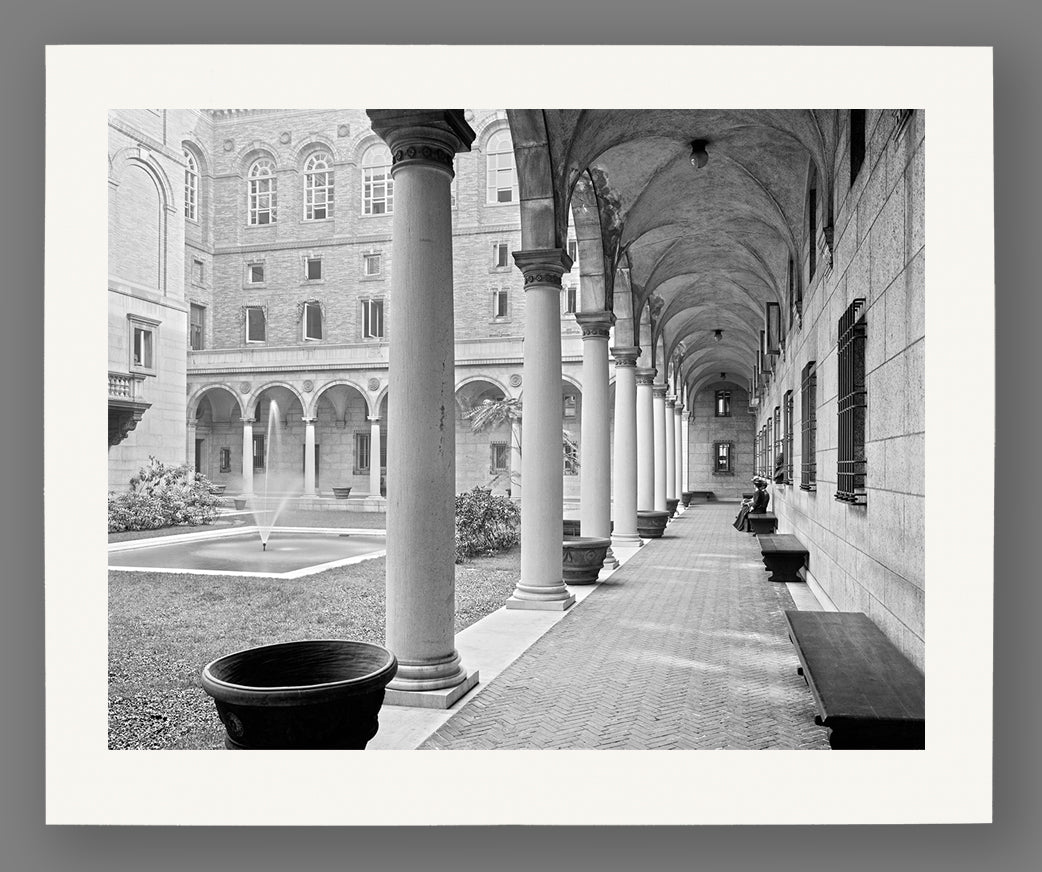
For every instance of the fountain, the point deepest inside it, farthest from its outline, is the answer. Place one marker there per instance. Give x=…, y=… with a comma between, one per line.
x=279, y=487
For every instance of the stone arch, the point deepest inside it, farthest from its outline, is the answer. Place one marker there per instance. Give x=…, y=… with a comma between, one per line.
x=142, y=157
x=254, y=397
x=192, y=406
x=495, y=382
x=311, y=409
x=315, y=142
x=255, y=151
x=544, y=218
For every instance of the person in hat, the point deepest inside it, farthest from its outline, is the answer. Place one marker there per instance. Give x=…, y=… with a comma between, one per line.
x=758, y=505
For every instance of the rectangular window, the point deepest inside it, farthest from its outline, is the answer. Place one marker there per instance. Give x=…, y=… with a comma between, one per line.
x=313, y=269
x=255, y=273
x=573, y=250
x=809, y=413
x=500, y=255
x=500, y=457
x=852, y=401
x=722, y=456
x=500, y=304
x=570, y=299
x=723, y=404
x=857, y=142
x=255, y=324
x=812, y=229
x=263, y=201
x=768, y=447
x=198, y=273
x=787, y=446
x=772, y=317
x=372, y=265
x=196, y=324
x=362, y=452
x=778, y=455
x=312, y=321
x=226, y=460
x=258, y=453
x=378, y=191
x=569, y=405
x=143, y=337
x=372, y=319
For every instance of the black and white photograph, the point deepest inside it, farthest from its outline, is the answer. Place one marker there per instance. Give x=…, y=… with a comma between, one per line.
x=516, y=430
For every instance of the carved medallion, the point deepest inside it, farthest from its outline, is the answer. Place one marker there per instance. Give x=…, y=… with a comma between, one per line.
x=308, y=386
x=245, y=387
x=285, y=137
x=229, y=144
x=515, y=380
x=374, y=384
x=343, y=130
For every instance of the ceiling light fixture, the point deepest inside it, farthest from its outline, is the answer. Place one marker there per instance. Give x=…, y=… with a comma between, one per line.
x=699, y=155
x=718, y=335
x=723, y=376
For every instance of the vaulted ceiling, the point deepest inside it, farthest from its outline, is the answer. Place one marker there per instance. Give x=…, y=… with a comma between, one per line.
x=701, y=248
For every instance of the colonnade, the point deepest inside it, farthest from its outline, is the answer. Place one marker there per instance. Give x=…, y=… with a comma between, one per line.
x=649, y=458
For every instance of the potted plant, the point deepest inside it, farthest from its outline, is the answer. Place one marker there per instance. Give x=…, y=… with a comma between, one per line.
x=312, y=694
x=651, y=524
x=671, y=505
x=341, y=493
x=240, y=503
x=685, y=498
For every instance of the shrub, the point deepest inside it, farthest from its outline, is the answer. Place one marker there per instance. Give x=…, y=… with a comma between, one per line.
x=485, y=524
x=163, y=496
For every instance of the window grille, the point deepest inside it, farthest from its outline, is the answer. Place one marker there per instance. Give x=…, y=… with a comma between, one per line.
x=787, y=447
x=377, y=184
x=850, y=472
x=318, y=187
x=263, y=190
x=501, y=178
x=809, y=414
x=191, y=186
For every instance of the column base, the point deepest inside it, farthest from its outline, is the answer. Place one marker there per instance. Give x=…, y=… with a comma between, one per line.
x=442, y=698
x=625, y=540
x=610, y=561
x=548, y=605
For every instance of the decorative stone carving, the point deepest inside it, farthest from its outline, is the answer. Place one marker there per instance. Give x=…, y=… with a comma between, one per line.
x=373, y=384
x=646, y=376
x=245, y=388
x=515, y=380
x=343, y=130
x=544, y=267
x=596, y=325
x=285, y=137
x=229, y=145
x=626, y=356
x=429, y=153
x=308, y=386
x=657, y=391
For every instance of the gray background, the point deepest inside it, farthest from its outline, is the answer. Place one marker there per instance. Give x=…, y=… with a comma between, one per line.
x=1013, y=842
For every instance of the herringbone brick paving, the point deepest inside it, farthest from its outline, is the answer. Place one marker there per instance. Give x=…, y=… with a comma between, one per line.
x=683, y=647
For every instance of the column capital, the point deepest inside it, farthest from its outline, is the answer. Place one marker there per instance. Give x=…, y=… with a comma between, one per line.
x=646, y=375
x=658, y=391
x=679, y=408
x=595, y=325
x=429, y=137
x=671, y=402
x=625, y=355
x=250, y=421
x=373, y=419
x=543, y=266
x=313, y=419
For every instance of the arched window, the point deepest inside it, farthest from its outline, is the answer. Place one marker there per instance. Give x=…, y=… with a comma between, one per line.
x=263, y=192
x=502, y=179
x=191, y=186
x=377, y=184
x=318, y=186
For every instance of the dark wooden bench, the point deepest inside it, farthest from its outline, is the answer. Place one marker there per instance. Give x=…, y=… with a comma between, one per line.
x=705, y=495
x=868, y=693
x=762, y=523
x=783, y=555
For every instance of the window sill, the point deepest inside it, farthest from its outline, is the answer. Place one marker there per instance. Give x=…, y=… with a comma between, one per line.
x=723, y=474
x=379, y=277
x=261, y=226
x=316, y=220
x=377, y=214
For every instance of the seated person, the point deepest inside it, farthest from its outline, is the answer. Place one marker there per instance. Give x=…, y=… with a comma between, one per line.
x=758, y=504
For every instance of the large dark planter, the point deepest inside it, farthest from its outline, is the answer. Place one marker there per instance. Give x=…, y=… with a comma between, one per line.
x=583, y=559
x=341, y=493
x=314, y=694
x=650, y=524
x=218, y=489
x=685, y=498
x=671, y=506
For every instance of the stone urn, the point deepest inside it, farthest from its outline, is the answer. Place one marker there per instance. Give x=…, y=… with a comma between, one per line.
x=671, y=505
x=218, y=489
x=313, y=694
x=240, y=503
x=341, y=493
x=583, y=558
x=685, y=498
x=650, y=524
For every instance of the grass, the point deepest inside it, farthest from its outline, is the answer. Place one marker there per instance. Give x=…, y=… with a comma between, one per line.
x=164, y=627
x=286, y=518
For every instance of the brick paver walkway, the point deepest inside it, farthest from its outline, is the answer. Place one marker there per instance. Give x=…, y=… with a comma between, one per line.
x=684, y=647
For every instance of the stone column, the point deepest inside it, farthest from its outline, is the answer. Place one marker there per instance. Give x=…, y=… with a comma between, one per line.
x=190, y=444
x=686, y=433
x=375, y=449
x=247, y=457
x=309, y=456
x=421, y=580
x=671, y=449
x=595, y=462
x=625, y=460
x=658, y=417
x=645, y=441
x=678, y=440
x=542, y=510
x=515, y=460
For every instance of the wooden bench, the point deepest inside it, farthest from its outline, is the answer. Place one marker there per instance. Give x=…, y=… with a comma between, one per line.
x=868, y=693
x=705, y=495
x=783, y=555
x=762, y=523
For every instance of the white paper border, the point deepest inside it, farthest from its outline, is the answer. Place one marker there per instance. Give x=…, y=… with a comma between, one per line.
x=949, y=782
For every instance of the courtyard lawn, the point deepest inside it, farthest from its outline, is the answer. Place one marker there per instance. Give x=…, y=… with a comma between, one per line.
x=164, y=627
